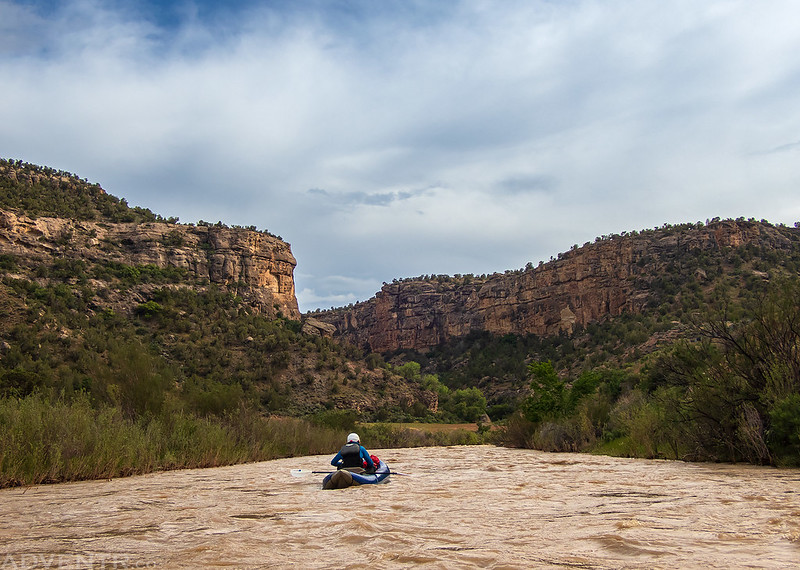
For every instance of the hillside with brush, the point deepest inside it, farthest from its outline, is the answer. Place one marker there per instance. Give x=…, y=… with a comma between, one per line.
x=141, y=312
x=677, y=341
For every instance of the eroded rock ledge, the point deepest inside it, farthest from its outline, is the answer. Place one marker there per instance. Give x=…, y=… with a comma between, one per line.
x=254, y=265
x=584, y=285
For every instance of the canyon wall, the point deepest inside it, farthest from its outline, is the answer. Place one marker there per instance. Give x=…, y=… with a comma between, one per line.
x=254, y=265
x=586, y=284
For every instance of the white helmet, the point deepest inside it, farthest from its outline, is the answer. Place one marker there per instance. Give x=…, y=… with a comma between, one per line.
x=353, y=437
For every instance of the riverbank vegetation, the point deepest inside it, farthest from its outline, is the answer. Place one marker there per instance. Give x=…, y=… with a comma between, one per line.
x=728, y=392
x=185, y=379
x=709, y=370
x=51, y=441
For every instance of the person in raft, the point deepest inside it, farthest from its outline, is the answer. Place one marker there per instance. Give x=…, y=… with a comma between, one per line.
x=353, y=456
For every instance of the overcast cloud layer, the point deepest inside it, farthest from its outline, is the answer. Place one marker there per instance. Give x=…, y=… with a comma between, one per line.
x=394, y=139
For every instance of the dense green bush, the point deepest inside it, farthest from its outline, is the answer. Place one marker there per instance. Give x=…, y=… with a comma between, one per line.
x=783, y=435
x=343, y=420
x=467, y=405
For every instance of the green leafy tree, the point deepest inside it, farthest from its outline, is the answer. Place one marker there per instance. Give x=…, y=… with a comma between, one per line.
x=784, y=433
x=140, y=380
x=467, y=404
x=741, y=379
x=548, y=398
x=409, y=370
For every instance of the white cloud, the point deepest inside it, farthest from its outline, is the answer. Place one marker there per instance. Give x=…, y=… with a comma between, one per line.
x=407, y=138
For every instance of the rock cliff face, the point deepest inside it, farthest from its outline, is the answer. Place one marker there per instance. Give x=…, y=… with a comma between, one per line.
x=254, y=265
x=586, y=284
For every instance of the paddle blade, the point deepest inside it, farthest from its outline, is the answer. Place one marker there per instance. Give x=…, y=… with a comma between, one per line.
x=300, y=472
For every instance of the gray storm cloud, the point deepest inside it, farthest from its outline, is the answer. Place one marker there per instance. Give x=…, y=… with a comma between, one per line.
x=415, y=138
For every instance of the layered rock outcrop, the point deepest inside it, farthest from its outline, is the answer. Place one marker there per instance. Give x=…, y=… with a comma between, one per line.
x=255, y=265
x=584, y=285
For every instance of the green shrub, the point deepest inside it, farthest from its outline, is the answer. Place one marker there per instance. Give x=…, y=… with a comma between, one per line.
x=19, y=382
x=8, y=262
x=467, y=405
x=214, y=398
x=149, y=310
x=343, y=420
x=784, y=433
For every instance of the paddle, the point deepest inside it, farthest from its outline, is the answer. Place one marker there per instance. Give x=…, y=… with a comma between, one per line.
x=304, y=472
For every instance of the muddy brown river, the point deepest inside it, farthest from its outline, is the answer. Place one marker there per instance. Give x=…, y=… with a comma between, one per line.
x=457, y=507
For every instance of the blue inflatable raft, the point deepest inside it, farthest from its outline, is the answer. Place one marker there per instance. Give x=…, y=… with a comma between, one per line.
x=343, y=478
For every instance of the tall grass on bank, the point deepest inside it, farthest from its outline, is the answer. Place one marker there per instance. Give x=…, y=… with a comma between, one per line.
x=43, y=441
x=52, y=441
x=392, y=435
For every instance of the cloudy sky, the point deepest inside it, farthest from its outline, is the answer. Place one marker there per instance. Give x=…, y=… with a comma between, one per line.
x=395, y=138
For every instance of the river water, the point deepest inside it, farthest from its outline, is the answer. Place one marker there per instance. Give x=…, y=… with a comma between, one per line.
x=456, y=507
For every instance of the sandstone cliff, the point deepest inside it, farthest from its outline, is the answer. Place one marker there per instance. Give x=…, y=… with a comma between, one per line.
x=584, y=285
x=256, y=266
